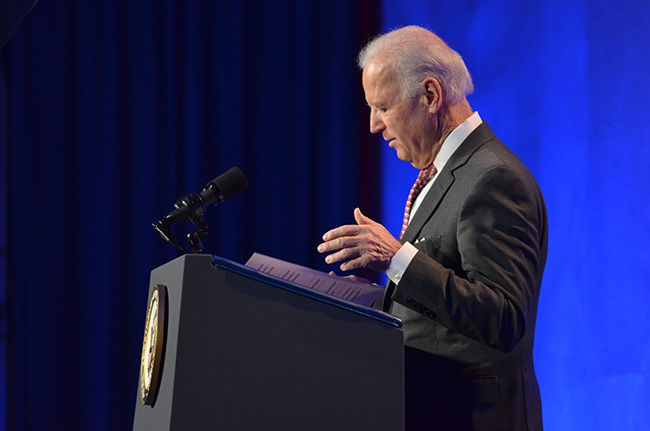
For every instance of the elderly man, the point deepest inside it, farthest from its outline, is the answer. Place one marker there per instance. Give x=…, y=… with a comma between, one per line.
x=466, y=272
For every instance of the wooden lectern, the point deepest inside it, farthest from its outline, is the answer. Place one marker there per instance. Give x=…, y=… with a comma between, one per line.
x=242, y=350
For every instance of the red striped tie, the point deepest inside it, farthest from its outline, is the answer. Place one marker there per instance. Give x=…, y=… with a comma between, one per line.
x=423, y=178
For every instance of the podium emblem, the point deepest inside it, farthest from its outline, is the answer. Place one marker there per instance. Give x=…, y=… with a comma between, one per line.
x=152, y=345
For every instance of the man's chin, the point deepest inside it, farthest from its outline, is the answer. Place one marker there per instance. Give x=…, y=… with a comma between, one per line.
x=404, y=157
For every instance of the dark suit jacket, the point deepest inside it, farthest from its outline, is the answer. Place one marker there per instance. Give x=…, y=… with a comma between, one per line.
x=468, y=299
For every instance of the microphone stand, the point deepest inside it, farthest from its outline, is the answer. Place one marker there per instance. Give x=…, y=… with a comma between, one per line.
x=164, y=229
x=202, y=230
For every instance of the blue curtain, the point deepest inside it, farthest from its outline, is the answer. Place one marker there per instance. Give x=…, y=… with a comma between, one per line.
x=115, y=109
x=565, y=85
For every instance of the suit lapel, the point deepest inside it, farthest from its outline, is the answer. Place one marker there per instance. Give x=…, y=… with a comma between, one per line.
x=446, y=177
x=428, y=205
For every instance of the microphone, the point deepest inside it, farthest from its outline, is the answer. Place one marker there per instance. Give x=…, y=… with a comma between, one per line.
x=192, y=205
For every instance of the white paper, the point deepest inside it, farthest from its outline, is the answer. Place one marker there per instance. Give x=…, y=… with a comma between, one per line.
x=341, y=287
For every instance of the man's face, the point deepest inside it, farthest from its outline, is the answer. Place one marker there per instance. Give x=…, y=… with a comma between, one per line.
x=403, y=121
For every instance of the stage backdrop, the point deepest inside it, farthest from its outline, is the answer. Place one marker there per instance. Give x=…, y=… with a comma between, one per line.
x=565, y=85
x=112, y=110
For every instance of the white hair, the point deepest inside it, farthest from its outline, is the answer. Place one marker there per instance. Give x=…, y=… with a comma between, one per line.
x=415, y=54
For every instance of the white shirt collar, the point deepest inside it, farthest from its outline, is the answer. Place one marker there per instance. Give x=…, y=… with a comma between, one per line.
x=455, y=138
x=448, y=148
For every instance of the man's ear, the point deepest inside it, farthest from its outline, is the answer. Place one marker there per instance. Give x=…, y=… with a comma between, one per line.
x=433, y=93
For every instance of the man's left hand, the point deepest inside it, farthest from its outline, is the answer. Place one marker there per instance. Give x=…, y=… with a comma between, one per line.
x=365, y=245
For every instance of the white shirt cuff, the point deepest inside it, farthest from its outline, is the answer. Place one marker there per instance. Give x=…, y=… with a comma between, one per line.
x=400, y=262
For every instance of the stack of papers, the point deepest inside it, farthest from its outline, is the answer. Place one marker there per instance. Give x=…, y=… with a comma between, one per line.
x=341, y=287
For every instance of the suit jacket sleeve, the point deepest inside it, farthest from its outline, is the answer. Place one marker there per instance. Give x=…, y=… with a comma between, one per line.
x=488, y=288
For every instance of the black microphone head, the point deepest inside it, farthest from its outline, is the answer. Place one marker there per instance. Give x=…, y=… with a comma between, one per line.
x=230, y=182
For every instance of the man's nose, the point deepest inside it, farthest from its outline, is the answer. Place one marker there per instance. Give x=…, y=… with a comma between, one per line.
x=376, y=125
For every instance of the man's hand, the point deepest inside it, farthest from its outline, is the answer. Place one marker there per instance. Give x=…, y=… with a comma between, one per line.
x=364, y=245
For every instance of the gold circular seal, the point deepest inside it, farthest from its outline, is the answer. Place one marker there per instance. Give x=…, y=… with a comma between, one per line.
x=152, y=345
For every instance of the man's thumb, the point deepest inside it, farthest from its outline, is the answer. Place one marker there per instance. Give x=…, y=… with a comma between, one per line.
x=360, y=218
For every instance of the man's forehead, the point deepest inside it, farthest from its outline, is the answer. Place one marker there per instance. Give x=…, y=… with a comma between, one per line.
x=378, y=68
x=379, y=79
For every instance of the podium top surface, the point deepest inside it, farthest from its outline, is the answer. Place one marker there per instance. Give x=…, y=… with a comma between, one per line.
x=298, y=289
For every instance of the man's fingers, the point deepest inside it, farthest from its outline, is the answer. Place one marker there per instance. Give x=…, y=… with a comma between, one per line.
x=345, y=254
x=353, y=264
x=338, y=243
x=341, y=231
x=365, y=245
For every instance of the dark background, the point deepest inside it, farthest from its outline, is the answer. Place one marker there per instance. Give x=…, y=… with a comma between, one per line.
x=109, y=111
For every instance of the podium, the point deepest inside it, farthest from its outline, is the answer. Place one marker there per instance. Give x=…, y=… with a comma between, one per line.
x=243, y=350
